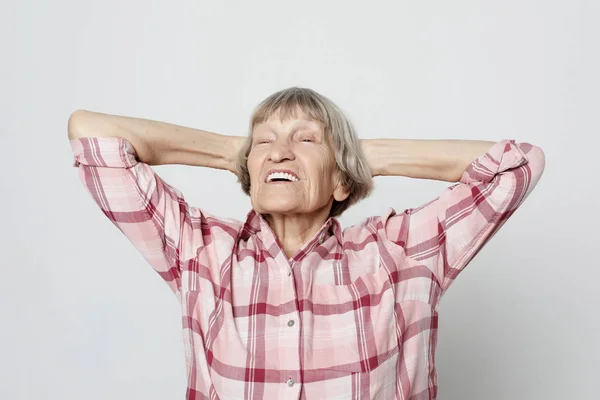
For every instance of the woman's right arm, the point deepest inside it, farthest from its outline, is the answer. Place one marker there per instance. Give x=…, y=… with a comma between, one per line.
x=158, y=143
x=113, y=156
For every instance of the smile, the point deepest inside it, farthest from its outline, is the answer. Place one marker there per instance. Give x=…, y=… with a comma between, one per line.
x=281, y=177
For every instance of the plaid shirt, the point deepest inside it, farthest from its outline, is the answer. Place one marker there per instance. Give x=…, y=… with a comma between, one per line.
x=353, y=315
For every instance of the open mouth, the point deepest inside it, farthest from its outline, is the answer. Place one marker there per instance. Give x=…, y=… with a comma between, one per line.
x=281, y=177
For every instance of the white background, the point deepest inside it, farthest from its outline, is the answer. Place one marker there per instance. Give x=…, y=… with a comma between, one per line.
x=84, y=317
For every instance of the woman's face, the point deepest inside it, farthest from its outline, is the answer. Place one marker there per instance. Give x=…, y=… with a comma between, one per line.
x=292, y=167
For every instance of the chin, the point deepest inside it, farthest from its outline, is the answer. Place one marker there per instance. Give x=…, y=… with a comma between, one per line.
x=277, y=206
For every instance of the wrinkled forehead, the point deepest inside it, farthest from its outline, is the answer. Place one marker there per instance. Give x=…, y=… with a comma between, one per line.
x=288, y=114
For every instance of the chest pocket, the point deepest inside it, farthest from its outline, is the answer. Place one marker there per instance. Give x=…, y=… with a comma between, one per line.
x=351, y=327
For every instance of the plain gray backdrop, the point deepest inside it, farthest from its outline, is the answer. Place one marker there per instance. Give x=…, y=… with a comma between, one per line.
x=83, y=316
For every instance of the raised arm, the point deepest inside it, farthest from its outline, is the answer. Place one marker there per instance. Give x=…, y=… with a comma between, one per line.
x=443, y=160
x=113, y=153
x=446, y=233
x=157, y=143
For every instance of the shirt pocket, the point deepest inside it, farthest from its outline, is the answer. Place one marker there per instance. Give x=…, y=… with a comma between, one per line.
x=351, y=327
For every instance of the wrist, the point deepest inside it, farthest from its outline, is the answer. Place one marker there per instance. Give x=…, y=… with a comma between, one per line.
x=234, y=146
x=368, y=148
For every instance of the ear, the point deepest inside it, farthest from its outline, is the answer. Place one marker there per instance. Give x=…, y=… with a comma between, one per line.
x=340, y=193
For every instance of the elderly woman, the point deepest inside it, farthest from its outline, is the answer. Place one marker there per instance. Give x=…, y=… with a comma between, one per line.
x=287, y=304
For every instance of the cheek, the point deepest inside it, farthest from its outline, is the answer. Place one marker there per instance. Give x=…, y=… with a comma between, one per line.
x=253, y=166
x=253, y=183
x=326, y=166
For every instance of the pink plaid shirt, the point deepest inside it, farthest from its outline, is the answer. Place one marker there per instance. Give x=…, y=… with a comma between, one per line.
x=353, y=315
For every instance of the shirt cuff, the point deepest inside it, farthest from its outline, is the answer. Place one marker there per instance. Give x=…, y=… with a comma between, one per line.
x=502, y=156
x=112, y=152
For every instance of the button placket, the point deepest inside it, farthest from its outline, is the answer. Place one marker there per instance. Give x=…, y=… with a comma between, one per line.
x=291, y=322
x=292, y=264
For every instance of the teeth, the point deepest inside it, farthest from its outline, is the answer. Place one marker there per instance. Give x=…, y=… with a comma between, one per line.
x=282, y=175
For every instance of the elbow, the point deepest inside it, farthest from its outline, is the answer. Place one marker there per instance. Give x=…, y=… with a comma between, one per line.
x=76, y=123
x=536, y=159
x=540, y=158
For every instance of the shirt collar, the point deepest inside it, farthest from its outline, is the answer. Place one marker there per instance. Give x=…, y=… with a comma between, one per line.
x=256, y=225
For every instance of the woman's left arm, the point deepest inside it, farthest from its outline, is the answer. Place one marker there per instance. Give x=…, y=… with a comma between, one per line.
x=443, y=160
x=446, y=233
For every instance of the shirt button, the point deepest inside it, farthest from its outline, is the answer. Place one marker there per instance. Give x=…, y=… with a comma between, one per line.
x=291, y=323
x=289, y=273
x=290, y=382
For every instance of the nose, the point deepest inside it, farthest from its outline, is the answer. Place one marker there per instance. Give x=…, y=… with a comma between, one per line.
x=281, y=151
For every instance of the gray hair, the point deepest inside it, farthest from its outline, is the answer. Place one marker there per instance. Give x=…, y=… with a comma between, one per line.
x=350, y=159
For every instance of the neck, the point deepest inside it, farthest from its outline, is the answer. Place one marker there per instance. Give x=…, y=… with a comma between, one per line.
x=294, y=230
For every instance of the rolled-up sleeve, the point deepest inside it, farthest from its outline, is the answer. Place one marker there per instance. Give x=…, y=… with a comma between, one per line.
x=446, y=233
x=153, y=215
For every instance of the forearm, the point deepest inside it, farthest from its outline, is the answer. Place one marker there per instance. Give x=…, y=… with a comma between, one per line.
x=443, y=160
x=158, y=142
